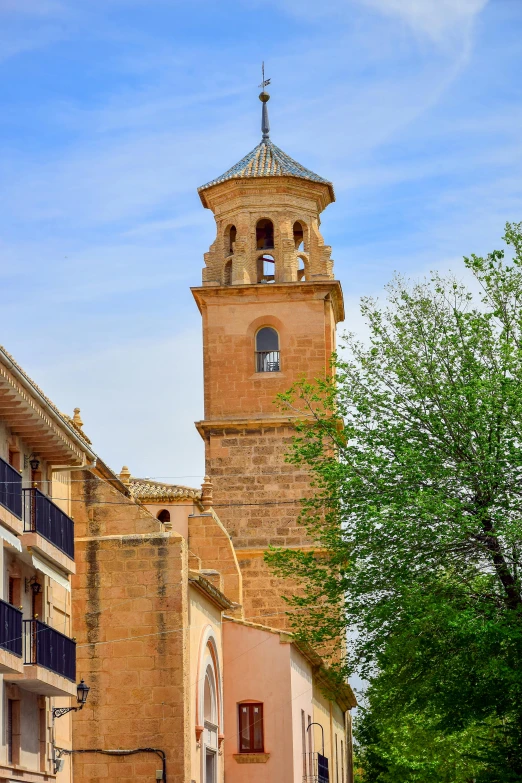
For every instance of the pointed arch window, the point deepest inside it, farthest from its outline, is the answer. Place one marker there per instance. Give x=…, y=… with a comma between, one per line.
x=267, y=350
x=211, y=725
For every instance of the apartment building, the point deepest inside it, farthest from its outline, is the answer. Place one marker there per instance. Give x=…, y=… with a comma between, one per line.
x=39, y=449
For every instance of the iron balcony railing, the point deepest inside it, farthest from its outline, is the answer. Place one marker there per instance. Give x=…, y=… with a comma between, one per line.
x=43, y=516
x=10, y=628
x=49, y=648
x=267, y=361
x=10, y=488
x=315, y=768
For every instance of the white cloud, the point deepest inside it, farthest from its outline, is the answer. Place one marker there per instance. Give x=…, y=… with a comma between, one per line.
x=433, y=17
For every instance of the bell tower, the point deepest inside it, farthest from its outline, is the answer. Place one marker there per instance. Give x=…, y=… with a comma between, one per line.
x=269, y=304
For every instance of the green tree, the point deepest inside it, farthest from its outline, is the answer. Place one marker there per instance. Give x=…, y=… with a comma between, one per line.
x=415, y=454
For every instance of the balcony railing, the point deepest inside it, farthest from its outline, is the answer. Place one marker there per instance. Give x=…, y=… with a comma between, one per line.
x=10, y=628
x=43, y=516
x=10, y=488
x=315, y=768
x=47, y=647
x=267, y=361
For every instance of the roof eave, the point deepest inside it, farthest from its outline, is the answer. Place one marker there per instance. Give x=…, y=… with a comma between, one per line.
x=206, y=191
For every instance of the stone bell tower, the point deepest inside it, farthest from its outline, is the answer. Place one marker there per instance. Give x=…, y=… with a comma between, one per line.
x=269, y=304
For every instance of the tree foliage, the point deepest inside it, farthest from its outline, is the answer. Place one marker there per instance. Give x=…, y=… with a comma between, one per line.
x=415, y=454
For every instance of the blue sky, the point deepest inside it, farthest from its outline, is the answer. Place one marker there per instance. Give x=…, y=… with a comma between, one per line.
x=114, y=111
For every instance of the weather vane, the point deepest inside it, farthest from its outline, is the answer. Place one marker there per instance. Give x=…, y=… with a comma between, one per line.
x=265, y=82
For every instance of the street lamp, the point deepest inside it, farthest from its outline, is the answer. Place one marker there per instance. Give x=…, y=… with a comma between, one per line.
x=82, y=691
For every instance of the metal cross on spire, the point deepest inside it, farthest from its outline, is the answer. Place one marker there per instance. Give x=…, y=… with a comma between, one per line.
x=264, y=97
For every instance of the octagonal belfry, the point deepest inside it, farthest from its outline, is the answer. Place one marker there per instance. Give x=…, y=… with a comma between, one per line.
x=269, y=304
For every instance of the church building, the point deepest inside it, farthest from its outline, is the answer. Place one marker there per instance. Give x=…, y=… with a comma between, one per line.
x=145, y=611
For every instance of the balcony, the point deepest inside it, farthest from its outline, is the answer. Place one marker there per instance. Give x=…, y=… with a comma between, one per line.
x=267, y=361
x=315, y=768
x=47, y=529
x=10, y=496
x=10, y=639
x=49, y=660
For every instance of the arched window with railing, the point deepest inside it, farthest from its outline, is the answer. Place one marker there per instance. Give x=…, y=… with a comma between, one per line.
x=267, y=350
x=265, y=234
x=266, y=269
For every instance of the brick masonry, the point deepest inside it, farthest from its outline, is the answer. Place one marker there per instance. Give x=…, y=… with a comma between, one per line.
x=256, y=492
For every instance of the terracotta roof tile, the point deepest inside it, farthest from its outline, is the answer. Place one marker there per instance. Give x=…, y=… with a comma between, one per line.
x=148, y=491
x=267, y=160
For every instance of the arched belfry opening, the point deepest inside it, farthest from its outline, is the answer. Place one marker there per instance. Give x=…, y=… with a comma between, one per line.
x=298, y=236
x=227, y=273
x=266, y=269
x=230, y=238
x=301, y=269
x=265, y=234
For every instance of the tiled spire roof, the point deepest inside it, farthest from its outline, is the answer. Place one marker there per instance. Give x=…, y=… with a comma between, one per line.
x=266, y=160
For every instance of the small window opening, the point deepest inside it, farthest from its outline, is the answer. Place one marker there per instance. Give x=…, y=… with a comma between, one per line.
x=298, y=236
x=230, y=238
x=265, y=235
x=301, y=269
x=250, y=728
x=227, y=273
x=164, y=516
x=266, y=269
x=267, y=350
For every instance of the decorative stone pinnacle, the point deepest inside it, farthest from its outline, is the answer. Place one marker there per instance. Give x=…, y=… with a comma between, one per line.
x=125, y=475
x=77, y=419
x=206, y=494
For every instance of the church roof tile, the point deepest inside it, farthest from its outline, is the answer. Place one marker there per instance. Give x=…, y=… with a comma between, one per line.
x=267, y=160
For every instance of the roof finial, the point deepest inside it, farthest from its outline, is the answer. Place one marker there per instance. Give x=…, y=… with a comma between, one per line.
x=264, y=97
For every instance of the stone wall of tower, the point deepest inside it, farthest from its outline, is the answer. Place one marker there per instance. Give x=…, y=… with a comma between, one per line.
x=282, y=201
x=256, y=494
x=247, y=436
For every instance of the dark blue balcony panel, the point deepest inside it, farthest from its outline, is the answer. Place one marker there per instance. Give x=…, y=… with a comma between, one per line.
x=10, y=488
x=45, y=646
x=10, y=628
x=43, y=516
